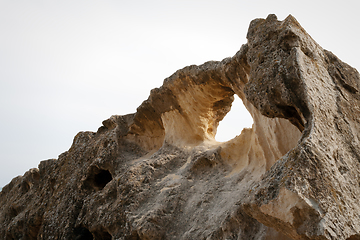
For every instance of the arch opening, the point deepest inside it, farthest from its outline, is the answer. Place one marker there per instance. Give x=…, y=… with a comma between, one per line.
x=260, y=143
x=234, y=122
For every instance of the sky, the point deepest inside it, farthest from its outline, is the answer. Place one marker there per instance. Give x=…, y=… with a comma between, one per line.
x=65, y=66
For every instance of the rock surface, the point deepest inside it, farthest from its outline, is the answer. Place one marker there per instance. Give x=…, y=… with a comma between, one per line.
x=159, y=173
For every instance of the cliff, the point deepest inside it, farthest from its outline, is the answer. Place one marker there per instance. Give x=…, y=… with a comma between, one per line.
x=159, y=173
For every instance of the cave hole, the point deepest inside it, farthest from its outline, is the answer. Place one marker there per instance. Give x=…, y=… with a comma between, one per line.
x=98, y=178
x=82, y=233
x=102, y=234
x=234, y=122
x=102, y=178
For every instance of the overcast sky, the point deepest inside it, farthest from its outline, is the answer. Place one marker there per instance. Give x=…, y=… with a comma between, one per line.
x=65, y=66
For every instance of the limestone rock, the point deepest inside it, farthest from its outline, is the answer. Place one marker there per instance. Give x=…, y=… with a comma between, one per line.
x=159, y=173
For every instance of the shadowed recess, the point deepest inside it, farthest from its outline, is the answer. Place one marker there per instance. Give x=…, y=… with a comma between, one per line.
x=98, y=178
x=82, y=233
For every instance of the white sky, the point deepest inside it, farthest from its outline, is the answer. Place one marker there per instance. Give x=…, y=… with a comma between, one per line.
x=65, y=66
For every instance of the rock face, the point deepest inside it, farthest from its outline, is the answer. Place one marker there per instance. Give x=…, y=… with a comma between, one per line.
x=159, y=173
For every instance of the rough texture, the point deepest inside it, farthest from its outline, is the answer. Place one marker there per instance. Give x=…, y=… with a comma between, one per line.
x=159, y=173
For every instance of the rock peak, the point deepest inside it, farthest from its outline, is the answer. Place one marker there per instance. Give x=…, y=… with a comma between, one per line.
x=272, y=17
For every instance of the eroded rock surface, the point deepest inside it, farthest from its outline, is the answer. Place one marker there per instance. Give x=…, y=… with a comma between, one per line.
x=159, y=173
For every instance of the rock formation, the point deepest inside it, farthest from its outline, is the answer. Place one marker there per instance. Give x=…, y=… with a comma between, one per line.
x=159, y=173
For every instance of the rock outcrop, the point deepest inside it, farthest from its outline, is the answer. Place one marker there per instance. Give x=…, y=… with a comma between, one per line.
x=159, y=173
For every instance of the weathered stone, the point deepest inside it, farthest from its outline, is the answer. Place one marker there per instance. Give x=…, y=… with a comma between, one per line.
x=159, y=173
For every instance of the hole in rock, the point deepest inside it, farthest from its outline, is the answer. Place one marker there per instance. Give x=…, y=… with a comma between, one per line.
x=102, y=178
x=234, y=122
x=82, y=233
x=270, y=139
x=102, y=234
x=98, y=178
